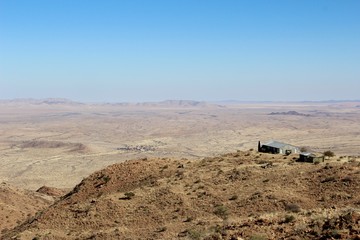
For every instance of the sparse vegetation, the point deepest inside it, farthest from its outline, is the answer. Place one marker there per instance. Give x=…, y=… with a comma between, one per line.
x=238, y=191
x=305, y=149
x=162, y=229
x=54, y=137
x=329, y=154
x=194, y=234
x=233, y=197
x=221, y=211
x=188, y=219
x=128, y=196
x=289, y=218
x=291, y=207
x=317, y=161
x=106, y=179
x=258, y=237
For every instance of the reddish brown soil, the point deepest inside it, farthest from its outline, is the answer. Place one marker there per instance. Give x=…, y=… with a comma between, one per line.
x=242, y=195
x=17, y=205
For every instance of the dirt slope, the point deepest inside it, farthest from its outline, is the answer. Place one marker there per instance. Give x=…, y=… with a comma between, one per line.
x=17, y=205
x=242, y=195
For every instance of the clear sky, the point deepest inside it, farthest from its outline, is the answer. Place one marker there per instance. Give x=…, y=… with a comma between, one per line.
x=152, y=50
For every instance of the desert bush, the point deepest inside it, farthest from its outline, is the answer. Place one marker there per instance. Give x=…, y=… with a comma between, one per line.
x=221, y=211
x=346, y=179
x=258, y=237
x=233, y=197
x=106, y=179
x=179, y=174
x=329, y=153
x=188, y=219
x=316, y=162
x=328, y=179
x=291, y=207
x=289, y=218
x=128, y=196
x=304, y=149
x=162, y=229
x=193, y=234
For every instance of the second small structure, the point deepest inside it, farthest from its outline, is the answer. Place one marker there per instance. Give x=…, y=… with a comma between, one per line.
x=311, y=157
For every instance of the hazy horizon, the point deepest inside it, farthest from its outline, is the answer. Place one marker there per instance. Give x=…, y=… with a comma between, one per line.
x=150, y=51
x=225, y=101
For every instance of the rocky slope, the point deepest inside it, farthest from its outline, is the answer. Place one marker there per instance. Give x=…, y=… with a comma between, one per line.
x=16, y=205
x=242, y=195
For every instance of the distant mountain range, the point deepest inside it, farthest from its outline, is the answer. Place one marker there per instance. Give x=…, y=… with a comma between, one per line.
x=63, y=101
x=249, y=102
x=165, y=103
x=49, y=101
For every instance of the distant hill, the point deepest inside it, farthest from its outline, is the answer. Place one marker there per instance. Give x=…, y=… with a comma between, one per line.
x=63, y=101
x=165, y=103
x=183, y=103
x=170, y=103
x=292, y=113
x=47, y=101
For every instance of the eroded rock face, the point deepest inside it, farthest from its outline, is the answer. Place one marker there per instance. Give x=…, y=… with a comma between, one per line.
x=51, y=191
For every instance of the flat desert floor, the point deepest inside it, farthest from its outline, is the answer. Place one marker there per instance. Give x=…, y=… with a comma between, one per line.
x=57, y=144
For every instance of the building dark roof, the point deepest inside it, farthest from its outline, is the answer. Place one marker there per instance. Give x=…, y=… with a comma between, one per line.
x=276, y=144
x=307, y=154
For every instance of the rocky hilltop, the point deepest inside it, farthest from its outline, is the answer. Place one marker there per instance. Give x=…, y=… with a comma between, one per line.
x=241, y=195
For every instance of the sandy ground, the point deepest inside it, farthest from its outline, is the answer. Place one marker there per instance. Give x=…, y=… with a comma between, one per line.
x=39, y=143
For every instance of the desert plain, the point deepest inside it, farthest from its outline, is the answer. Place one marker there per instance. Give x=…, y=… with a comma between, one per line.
x=58, y=142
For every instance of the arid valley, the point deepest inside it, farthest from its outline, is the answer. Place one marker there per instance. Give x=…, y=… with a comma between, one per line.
x=57, y=143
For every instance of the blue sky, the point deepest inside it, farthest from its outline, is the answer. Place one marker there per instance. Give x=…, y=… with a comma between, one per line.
x=132, y=50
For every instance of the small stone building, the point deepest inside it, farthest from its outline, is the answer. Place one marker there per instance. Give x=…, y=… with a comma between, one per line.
x=276, y=147
x=311, y=157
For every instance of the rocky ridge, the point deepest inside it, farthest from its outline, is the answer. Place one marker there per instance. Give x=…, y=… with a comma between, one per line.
x=241, y=195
